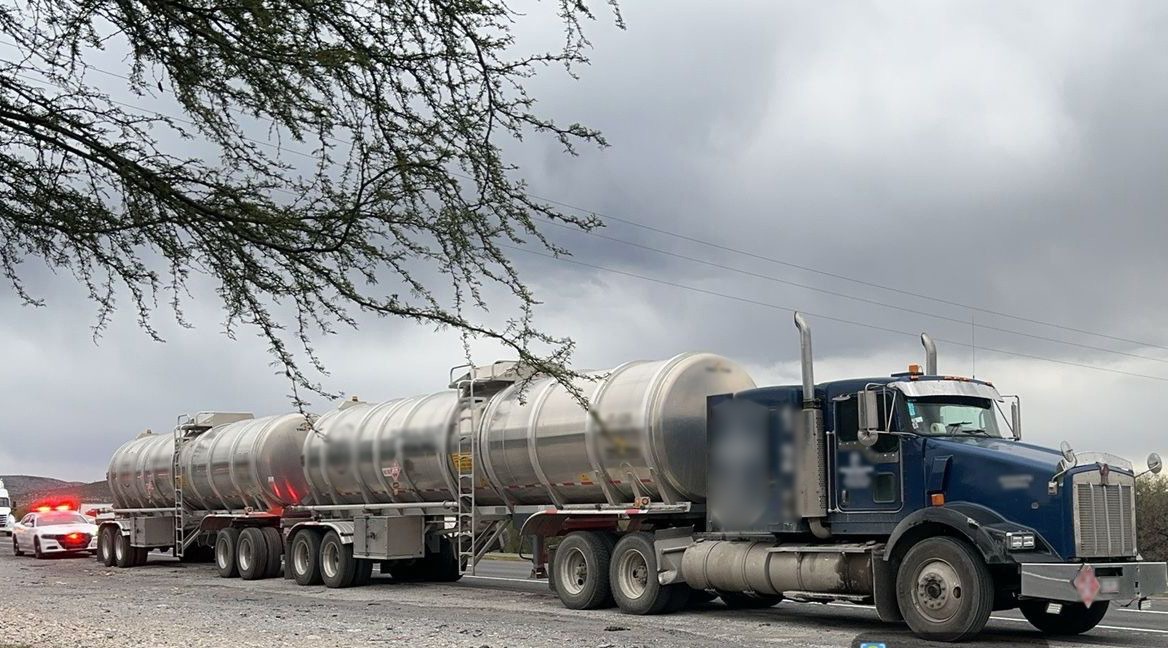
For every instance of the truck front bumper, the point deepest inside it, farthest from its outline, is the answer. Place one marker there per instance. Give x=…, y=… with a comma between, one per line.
x=1121, y=582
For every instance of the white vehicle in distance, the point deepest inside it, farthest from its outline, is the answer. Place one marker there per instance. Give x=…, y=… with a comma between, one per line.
x=54, y=532
x=6, y=521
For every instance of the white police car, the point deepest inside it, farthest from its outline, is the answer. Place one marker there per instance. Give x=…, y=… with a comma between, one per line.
x=45, y=532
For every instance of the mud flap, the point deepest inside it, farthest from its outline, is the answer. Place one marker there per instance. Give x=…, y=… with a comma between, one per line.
x=884, y=590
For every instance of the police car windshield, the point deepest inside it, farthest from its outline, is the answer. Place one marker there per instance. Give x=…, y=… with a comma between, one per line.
x=953, y=416
x=62, y=517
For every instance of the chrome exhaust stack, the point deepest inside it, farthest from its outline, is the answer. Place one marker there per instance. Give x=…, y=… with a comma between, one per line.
x=811, y=450
x=930, y=354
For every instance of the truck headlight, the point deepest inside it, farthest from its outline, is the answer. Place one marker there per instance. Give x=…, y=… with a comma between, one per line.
x=1019, y=541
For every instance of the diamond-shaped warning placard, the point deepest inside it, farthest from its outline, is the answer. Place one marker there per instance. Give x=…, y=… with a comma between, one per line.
x=1086, y=584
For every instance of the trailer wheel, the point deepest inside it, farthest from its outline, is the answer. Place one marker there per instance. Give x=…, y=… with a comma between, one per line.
x=1071, y=619
x=338, y=568
x=225, y=542
x=749, y=600
x=251, y=554
x=123, y=552
x=304, y=557
x=275, y=541
x=581, y=567
x=944, y=589
x=139, y=555
x=104, y=553
x=633, y=575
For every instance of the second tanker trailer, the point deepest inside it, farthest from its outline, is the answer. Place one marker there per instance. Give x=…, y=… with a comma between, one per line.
x=682, y=481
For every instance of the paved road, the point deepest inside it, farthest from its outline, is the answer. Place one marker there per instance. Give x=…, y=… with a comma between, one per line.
x=1119, y=628
x=77, y=602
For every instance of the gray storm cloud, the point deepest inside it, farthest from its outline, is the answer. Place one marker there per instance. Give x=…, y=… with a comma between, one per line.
x=1009, y=156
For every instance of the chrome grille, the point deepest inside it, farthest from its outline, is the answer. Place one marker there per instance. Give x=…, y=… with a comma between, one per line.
x=3, y=520
x=1104, y=516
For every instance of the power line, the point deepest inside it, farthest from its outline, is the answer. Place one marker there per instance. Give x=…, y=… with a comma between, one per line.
x=841, y=320
x=734, y=250
x=834, y=293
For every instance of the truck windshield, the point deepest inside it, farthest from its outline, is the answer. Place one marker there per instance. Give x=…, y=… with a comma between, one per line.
x=953, y=416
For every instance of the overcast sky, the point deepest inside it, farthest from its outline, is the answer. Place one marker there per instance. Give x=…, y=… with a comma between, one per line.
x=1008, y=156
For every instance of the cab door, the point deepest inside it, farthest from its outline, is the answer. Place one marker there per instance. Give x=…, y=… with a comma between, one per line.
x=867, y=478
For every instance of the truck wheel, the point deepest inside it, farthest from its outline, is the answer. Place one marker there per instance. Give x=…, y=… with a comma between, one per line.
x=633, y=576
x=275, y=541
x=338, y=567
x=123, y=552
x=251, y=554
x=944, y=589
x=304, y=557
x=1072, y=619
x=581, y=569
x=749, y=600
x=225, y=542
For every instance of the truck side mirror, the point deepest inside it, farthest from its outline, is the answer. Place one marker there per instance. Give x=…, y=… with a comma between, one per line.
x=1016, y=420
x=1155, y=465
x=868, y=412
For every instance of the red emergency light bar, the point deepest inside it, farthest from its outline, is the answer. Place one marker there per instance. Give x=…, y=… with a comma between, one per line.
x=55, y=505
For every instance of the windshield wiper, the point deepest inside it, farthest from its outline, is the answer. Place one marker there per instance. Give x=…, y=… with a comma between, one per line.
x=975, y=431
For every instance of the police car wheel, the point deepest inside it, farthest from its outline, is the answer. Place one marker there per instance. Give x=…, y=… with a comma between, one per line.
x=1068, y=619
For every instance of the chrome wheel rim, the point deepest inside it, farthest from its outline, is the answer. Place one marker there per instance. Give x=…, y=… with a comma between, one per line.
x=119, y=550
x=300, y=557
x=938, y=591
x=221, y=554
x=245, y=551
x=632, y=573
x=330, y=560
x=573, y=572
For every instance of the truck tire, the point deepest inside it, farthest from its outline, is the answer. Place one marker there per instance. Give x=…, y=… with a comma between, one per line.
x=749, y=600
x=633, y=576
x=304, y=557
x=275, y=541
x=581, y=567
x=944, y=589
x=225, y=544
x=123, y=553
x=1072, y=619
x=338, y=567
x=251, y=554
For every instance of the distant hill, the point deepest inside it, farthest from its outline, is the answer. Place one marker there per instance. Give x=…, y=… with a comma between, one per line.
x=26, y=489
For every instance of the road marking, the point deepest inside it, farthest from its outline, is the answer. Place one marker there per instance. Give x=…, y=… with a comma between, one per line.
x=1101, y=627
x=1142, y=611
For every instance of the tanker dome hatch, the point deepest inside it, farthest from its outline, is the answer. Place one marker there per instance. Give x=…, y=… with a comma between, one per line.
x=500, y=371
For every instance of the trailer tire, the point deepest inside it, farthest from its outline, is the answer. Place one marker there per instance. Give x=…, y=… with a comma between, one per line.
x=140, y=556
x=944, y=589
x=749, y=600
x=1072, y=619
x=633, y=576
x=105, y=554
x=338, y=567
x=581, y=567
x=304, y=557
x=123, y=552
x=275, y=541
x=251, y=554
x=225, y=544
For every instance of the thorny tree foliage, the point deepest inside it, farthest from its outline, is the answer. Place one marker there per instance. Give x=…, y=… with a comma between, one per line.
x=401, y=103
x=1152, y=517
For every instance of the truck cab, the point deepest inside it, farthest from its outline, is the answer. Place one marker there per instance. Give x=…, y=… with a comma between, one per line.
x=6, y=521
x=929, y=472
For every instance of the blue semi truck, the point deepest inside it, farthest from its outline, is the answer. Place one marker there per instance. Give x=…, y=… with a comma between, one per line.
x=912, y=492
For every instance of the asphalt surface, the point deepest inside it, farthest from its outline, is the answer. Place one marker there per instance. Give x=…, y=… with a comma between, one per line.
x=76, y=602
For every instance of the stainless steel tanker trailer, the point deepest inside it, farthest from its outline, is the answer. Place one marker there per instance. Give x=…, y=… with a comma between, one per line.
x=681, y=482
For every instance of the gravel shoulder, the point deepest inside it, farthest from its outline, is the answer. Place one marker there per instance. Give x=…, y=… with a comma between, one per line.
x=76, y=602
